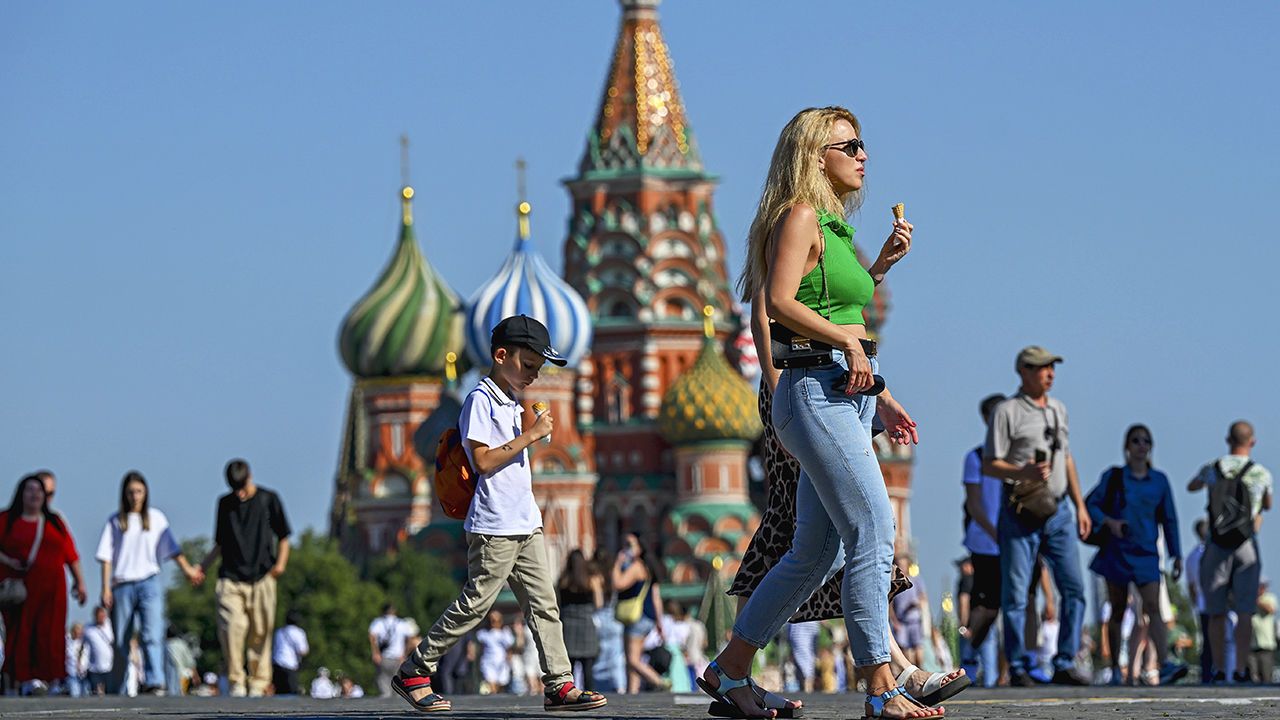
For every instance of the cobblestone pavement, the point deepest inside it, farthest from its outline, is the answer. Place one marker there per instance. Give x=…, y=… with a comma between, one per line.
x=1050, y=703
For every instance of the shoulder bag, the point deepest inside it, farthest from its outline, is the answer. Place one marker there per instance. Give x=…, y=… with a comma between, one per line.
x=13, y=591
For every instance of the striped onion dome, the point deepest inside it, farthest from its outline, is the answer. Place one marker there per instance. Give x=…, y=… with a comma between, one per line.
x=527, y=285
x=710, y=401
x=409, y=321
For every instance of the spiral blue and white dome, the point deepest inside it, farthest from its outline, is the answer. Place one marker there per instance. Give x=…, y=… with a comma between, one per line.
x=527, y=285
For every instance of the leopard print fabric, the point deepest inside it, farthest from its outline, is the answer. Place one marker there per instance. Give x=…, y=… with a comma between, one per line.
x=773, y=537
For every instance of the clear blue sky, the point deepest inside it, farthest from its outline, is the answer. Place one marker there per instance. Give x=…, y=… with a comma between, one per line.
x=192, y=196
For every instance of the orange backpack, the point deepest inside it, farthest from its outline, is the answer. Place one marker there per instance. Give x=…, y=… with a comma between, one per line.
x=455, y=480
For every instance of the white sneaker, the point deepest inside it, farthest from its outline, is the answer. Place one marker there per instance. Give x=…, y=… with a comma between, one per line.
x=238, y=691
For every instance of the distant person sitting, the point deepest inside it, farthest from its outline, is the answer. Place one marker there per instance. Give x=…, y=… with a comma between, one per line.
x=252, y=538
x=1239, y=491
x=1130, y=506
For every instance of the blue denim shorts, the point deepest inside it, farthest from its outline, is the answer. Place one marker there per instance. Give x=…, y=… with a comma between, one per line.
x=641, y=627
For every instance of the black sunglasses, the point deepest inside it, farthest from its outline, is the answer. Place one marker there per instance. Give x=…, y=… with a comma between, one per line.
x=848, y=147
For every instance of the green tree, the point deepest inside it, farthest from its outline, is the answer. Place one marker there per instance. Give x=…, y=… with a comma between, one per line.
x=193, y=611
x=336, y=606
x=420, y=585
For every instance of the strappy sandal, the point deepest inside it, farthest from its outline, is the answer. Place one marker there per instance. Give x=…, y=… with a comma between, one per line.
x=724, y=706
x=934, y=691
x=405, y=687
x=555, y=700
x=878, y=702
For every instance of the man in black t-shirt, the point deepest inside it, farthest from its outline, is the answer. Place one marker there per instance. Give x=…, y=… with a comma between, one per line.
x=252, y=538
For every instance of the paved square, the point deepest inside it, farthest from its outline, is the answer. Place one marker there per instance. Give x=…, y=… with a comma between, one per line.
x=1051, y=703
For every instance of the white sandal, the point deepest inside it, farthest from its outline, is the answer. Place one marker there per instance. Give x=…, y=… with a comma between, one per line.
x=934, y=692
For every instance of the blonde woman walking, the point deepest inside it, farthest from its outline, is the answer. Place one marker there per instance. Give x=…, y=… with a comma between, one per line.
x=800, y=254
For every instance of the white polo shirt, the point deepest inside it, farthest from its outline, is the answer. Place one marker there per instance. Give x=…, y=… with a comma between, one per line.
x=504, y=503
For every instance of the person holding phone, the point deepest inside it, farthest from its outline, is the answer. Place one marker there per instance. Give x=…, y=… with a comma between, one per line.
x=1134, y=503
x=1027, y=443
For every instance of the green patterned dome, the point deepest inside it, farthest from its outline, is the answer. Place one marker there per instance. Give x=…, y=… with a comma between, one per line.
x=409, y=321
x=710, y=401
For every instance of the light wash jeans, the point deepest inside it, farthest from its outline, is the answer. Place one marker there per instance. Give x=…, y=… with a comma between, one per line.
x=841, y=502
x=1058, y=543
x=139, y=606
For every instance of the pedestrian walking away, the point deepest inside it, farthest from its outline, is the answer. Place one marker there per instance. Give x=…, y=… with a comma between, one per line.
x=503, y=525
x=1028, y=448
x=251, y=536
x=1239, y=492
x=581, y=593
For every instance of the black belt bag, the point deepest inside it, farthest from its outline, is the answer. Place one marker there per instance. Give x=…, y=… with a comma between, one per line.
x=793, y=350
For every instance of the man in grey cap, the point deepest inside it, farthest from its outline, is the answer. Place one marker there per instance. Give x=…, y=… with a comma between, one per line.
x=1027, y=447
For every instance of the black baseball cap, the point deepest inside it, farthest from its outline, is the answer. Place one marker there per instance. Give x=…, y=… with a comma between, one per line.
x=524, y=331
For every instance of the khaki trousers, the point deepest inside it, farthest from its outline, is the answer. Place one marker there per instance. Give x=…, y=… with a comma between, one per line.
x=493, y=560
x=246, y=617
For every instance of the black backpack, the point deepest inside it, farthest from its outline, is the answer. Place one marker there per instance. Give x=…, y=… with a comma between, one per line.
x=1230, y=508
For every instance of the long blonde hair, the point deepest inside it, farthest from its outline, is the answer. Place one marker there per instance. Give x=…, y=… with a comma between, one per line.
x=795, y=177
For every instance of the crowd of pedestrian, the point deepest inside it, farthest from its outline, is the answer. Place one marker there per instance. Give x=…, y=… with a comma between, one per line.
x=129, y=647
x=1026, y=517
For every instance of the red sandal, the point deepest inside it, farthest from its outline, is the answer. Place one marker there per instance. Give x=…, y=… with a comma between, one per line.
x=405, y=687
x=586, y=700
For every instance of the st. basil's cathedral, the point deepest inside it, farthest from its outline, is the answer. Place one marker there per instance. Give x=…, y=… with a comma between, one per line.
x=655, y=418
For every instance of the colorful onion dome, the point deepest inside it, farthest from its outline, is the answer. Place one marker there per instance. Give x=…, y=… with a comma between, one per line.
x=710, y=400
x=527, y=285
x=409, y=321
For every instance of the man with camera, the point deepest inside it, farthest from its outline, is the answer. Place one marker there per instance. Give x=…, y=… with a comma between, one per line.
x=1027, y=447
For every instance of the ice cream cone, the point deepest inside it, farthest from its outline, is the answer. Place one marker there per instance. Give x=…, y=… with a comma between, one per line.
x=899, y=212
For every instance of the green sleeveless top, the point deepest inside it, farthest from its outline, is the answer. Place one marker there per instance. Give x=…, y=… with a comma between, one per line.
x=849, y=285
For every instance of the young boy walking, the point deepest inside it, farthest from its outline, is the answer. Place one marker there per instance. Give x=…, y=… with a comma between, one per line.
x=503, y=526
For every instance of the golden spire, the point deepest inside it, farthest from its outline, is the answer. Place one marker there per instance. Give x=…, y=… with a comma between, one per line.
x=523, y=208
x=406, y=191
x=641, y=91
x=708, y=323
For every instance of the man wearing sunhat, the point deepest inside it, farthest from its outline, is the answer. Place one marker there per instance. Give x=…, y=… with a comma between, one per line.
x=1027, y=447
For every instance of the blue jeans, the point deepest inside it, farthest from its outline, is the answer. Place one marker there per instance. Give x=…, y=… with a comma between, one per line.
x=78, y=686
x=139, y=607
x=1057, y=542
x=984, y=661
x=841, y=503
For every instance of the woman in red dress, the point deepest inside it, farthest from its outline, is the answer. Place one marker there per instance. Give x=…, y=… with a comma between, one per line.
x=35, y=631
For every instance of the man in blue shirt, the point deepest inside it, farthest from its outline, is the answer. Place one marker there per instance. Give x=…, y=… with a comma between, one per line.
x=982, y=495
